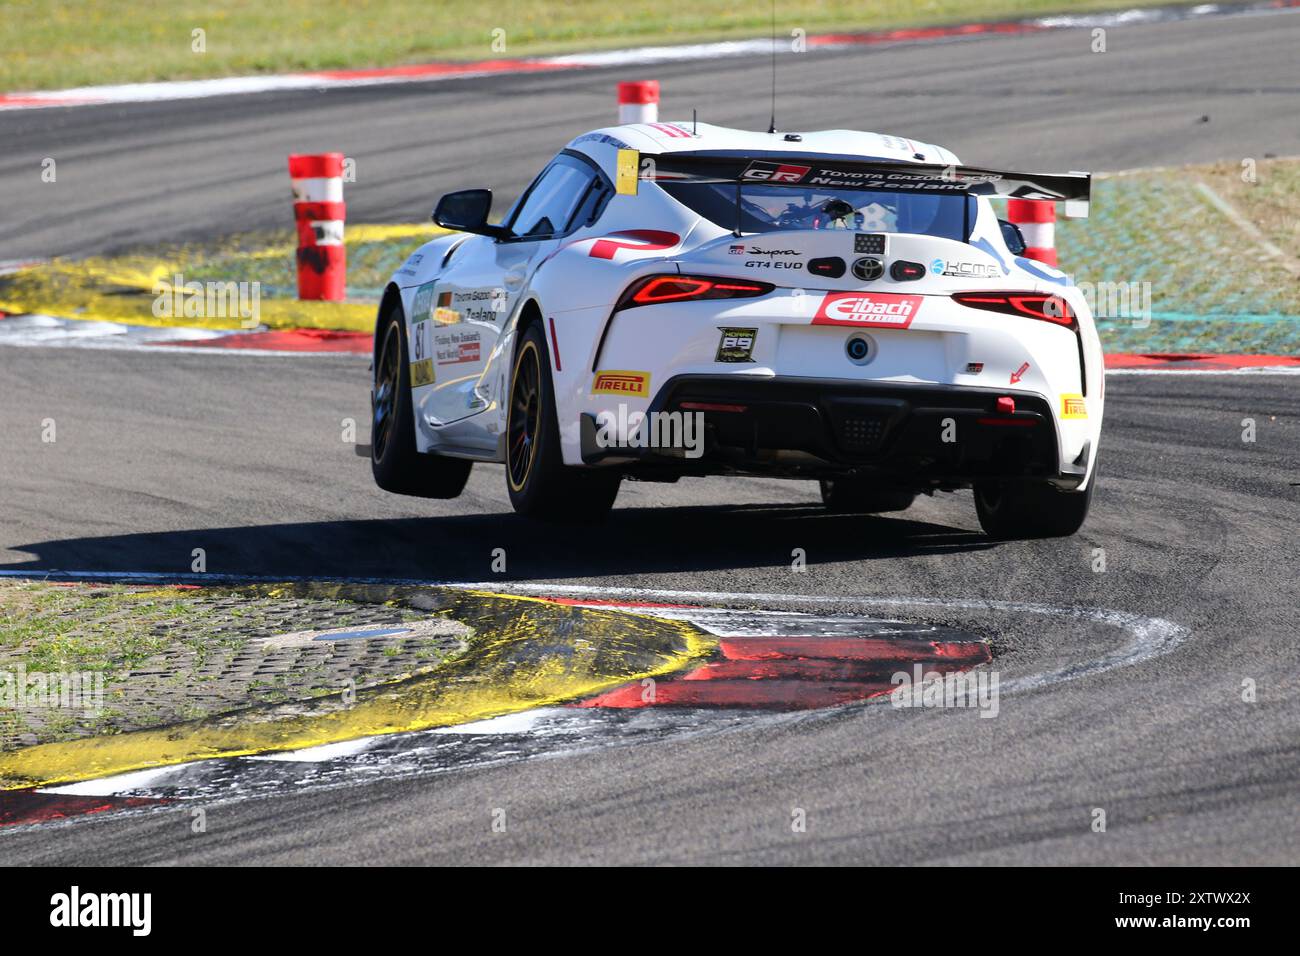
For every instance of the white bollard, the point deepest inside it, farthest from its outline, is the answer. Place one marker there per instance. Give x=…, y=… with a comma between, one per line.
x=638, y=101
x=1037, y=221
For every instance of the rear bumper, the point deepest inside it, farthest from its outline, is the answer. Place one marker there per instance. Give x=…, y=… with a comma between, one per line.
x=905, y=434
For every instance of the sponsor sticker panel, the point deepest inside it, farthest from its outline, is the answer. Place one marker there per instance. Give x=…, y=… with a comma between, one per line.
x=422, y=353
x=876, y=310
x=462, y=346
x=736, y=345
x=621, y=382
x=1074, y=406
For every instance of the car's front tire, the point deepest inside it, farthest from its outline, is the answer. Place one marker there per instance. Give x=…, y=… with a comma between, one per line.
x=845, y=496
x=540, y=484
x=1009, y=510
x=394, y=461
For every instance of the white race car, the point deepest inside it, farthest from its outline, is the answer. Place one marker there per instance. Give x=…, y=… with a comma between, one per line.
x=670, y=300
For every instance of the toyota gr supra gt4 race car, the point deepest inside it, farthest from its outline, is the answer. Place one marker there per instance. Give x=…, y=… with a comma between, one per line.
x=671, y=299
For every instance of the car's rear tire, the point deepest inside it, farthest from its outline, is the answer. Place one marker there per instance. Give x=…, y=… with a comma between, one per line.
x=845, y=496
x=1009, y=511
x=394, y=461
x=541, y=486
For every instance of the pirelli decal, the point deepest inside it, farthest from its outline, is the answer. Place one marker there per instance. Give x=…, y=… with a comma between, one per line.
x=635, y=384
x=1074, y=406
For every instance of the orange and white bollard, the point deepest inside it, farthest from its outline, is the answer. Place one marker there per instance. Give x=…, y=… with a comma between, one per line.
x=1037, y=221
x=638, y=102
x=319, y=211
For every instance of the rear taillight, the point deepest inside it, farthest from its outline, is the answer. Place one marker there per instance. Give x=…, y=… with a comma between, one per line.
x=1029, y=305
x=675, y=288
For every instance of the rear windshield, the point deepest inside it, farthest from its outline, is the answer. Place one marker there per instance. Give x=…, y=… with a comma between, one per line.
x=771, y=208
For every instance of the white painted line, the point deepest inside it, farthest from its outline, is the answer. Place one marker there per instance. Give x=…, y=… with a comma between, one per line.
x=321, y=752
x=1248, y=228
x=523, y=722
x=119, y=783
x=242, y=85
x=1252, y=370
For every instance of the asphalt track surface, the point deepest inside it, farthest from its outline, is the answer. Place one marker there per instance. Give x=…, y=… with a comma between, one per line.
x=182, y=170
x=158, y=454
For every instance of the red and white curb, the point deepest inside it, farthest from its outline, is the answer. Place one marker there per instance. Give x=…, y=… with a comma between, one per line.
x=50, y=332
x=326, y=79
x=35, y=330
x=774, y=665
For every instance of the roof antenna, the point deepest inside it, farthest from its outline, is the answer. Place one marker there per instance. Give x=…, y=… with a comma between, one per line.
x=695, y=122
x=772, y=127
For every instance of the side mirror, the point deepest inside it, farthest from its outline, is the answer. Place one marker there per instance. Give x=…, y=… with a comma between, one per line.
x=1013, y=237
x=466, y=210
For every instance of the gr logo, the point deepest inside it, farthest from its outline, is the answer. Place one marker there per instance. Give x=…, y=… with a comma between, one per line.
x=774, y=172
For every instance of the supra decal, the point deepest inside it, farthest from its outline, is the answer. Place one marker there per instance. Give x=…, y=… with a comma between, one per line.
x=774, y=172
x=736, y=345
x=1074, y=406
x=882, y=310
x=769, y=258
x=621, y=383
x=422, y=373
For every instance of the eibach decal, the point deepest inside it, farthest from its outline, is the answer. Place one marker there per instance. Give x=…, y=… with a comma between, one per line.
x=872, y=310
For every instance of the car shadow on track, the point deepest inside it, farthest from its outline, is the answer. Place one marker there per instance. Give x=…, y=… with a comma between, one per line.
x=632, y=541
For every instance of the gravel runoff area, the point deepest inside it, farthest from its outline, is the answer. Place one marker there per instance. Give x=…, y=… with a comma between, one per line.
x=84, y=659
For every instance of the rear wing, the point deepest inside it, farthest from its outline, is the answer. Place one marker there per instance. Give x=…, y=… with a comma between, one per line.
x=789, y=169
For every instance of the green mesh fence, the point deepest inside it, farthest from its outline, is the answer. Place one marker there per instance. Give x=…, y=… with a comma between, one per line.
x=1212, y=289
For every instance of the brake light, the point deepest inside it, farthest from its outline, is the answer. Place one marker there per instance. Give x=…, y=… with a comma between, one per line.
x=676, y=288
x=1031, y=305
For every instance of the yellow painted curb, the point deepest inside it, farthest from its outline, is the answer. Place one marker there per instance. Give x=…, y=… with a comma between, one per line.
x=125, y=288
x=525, y=653
x=92, y=292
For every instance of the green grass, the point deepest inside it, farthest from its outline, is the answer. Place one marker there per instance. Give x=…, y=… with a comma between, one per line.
x=52, y=45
